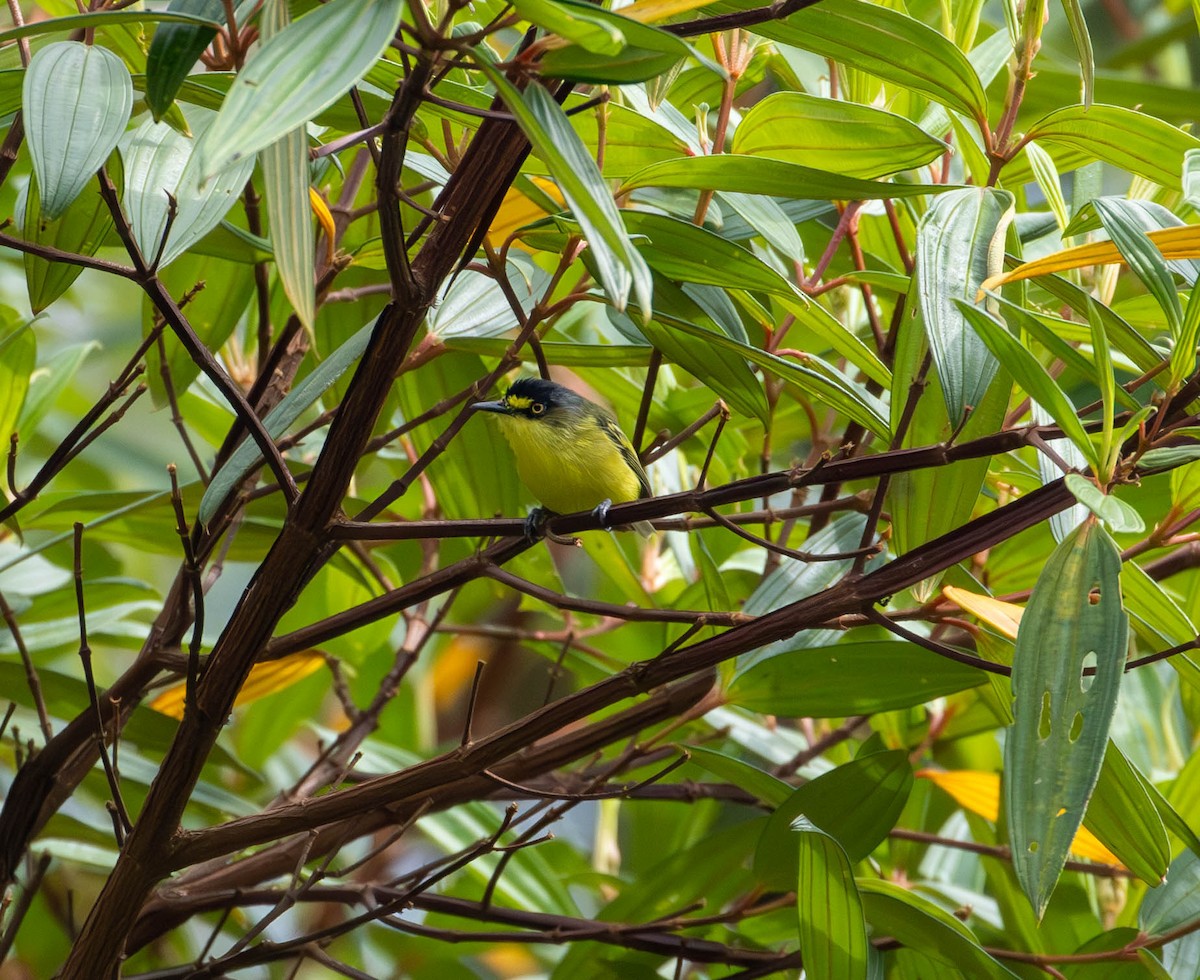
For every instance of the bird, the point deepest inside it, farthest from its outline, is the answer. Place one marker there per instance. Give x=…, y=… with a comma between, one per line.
x=570, y=452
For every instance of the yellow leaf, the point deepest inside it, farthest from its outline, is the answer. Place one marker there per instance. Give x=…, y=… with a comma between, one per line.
x=456, y=665
x=1182, y=242
x=518, y=209
x=979, y=792
x=265, y=678
x=652, y=11
x=1005, y=617
x=324, y=219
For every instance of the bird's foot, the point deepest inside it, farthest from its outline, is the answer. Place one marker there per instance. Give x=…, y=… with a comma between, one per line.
x=600, y=512
x=535, y=523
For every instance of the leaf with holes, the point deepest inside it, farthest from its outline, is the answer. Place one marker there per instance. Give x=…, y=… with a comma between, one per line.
x=1055, y=748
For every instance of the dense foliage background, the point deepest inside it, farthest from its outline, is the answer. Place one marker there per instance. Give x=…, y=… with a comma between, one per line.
x=894, y=299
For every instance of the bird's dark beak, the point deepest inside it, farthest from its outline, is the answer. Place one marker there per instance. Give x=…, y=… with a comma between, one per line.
x=499, y=407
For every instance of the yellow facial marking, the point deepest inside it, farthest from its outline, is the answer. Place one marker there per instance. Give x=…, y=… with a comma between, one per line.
x=517, y=402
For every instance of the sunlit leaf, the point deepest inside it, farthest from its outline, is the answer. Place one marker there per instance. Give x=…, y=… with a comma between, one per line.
x=763, y=175
x=264, y=678
x=834, y=136
x=886, y=43
x=979, y=792
x=1004, y=617
x=1029, y=373
x=1125, y=138
x=101, y=19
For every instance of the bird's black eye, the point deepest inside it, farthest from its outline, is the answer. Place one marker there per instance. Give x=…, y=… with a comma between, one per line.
x=537, y=408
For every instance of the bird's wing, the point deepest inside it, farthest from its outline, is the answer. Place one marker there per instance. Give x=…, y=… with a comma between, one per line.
x=625, y=447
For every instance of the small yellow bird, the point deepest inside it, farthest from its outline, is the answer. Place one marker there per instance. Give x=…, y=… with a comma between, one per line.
x=571, y=453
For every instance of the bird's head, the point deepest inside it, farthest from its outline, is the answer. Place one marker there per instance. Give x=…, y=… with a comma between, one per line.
x=536, y=400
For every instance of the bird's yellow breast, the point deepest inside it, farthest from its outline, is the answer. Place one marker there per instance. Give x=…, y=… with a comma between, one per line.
x=569, y=467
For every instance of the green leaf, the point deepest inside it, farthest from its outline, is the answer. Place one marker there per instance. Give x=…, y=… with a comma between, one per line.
x=834, y=136
x=1115, y=513
x=1083, y=48
x=1054, y=334
x=1159, y=618
x=286, y=184
x=1120, y=333
x=593, y=34
x=474, y=305
x=1123, y=815
x=1127, y=139
x=776, y=178
x=1183, y=354
x=76, y=101
x=770, y=789
x=955, y=487
x=833, y=932
x=1030, y=375
x=81, y=229
x=1175, y=903
x=246, y=457
x=828, y=682
x=960, y=242
x=619, y=266
x=823, y=326
x=50, y=380
x=917, y=923
x=1191, y=177
x=857, y=804
x=103, y=19
x=1046, y=175
x=647, y=52
x=1055, y=747
x=687, y=336
x=1168, y=458
x=794, y=580
x=1143, y=258
x=812, y=376
x=883, y=42
x=18, y=356
x=766, y=217
x=302, y=70
x=174, y=51
x=683, y=251
x=161, y=162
